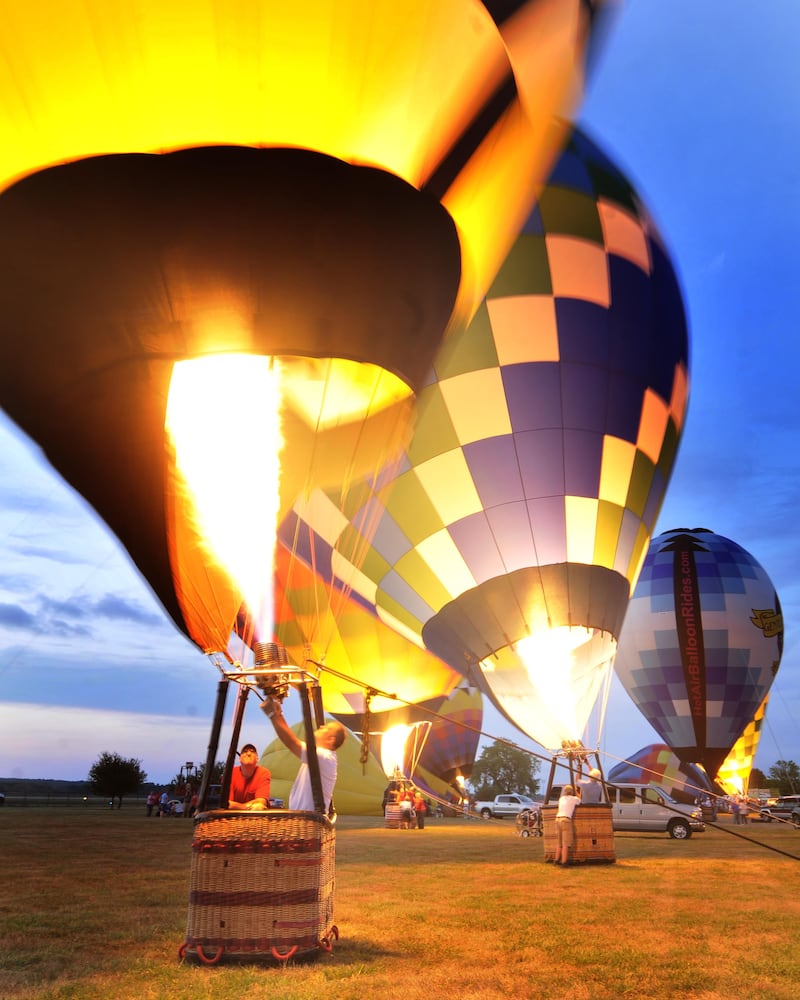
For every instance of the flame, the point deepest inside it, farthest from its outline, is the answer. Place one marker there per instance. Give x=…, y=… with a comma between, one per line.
x=553, y=678
x=393, y=746
x=224, y=408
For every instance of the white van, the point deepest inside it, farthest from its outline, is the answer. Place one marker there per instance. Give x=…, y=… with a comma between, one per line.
x=648, y=808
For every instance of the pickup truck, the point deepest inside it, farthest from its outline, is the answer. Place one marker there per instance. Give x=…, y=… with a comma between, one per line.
x=505, y=805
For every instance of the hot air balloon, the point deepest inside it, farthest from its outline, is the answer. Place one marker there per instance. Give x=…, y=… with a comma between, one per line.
x=656, y=764
x=702, y=642
x=513, y=532
x=313, y=184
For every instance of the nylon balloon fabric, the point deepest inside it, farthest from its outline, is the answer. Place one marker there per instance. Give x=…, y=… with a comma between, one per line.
x=702, y=642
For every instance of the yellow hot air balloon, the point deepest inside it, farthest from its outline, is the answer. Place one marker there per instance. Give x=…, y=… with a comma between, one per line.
x=315, y=184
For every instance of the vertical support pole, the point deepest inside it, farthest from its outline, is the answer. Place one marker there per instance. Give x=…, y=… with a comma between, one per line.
x=213, y=744
x=319, y=712
x=238, y=715
x=311, y=751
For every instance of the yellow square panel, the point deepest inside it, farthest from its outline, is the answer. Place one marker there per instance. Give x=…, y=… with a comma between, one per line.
x=322, y=515
x=616, y=469
x=400, y=627
x=581, y=528
x=609, y=520
x=476, y=402
x=578, y=269
x=353, y=578
x=524, y=328
x=441, y=554
x=448, y=483
x=653, y=425
x=624, y=235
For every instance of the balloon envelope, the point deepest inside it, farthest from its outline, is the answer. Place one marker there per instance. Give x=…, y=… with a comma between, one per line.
x=314, y=182
x=542, y=450
x=656, y=764
x=702, y=642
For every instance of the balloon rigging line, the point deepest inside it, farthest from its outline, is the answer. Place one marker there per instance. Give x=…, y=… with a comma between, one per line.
x=510, y=743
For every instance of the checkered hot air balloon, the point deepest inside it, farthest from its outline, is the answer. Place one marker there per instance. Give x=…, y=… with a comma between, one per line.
x=702, y=642
x=511, y=536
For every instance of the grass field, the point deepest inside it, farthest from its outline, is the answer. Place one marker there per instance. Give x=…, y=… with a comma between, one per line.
x=93, y=904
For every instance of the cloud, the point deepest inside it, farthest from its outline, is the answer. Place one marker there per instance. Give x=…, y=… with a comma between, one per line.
x=116, y=608
x=56, y=742
x=65, y=557
x=14, y=617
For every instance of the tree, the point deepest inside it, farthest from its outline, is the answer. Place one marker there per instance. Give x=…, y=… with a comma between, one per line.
x=785, y=774
x=115, y=776
x=502, y=768
x=758, y=779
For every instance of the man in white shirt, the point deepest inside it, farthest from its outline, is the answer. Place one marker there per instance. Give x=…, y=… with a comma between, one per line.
x=565, y=833
x=327, y=738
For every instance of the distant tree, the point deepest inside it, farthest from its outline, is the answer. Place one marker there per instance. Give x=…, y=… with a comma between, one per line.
x=784, y=774
x=116, y=776
x=502, y=768
x=758, y=779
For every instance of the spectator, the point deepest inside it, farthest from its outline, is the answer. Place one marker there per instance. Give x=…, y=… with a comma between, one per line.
x=420, y=808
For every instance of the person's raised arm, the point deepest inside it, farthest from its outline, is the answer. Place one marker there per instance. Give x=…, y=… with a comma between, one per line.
x=285, y=734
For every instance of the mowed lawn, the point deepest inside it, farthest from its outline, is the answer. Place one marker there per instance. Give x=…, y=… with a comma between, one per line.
x=93, y=904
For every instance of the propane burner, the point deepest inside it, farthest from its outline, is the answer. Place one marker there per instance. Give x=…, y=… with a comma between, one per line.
x=272, y=655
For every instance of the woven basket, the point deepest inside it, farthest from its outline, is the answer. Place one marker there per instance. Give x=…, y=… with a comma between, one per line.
x=262, y=884
x=594, y=833
x=392, y=816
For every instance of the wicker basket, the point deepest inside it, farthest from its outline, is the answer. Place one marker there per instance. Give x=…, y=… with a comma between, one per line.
x=262, y=885
x=392, y=816
x=594, y=833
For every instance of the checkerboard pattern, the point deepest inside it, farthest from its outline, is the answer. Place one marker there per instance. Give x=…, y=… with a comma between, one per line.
x=738, y=632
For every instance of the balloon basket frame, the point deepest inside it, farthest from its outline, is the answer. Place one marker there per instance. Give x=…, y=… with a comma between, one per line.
x=593, y=827
x=261, y=886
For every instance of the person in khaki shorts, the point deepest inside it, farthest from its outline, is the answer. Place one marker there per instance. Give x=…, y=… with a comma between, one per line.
x=565, y=831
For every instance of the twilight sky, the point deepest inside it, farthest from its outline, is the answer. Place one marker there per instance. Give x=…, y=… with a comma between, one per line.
x=699, y=104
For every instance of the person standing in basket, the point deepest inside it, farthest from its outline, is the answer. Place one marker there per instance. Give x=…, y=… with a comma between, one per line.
x=565, y=829
x=590, y=787
x=328, y=739
x=250, y=783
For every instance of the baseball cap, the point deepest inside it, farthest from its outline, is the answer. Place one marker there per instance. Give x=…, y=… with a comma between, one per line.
x=248, y=746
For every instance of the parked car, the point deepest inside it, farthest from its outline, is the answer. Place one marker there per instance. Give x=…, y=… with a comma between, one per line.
x=505, y=805
x=785, y=808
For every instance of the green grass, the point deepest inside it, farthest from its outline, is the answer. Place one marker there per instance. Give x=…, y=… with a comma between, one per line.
x=93, y=904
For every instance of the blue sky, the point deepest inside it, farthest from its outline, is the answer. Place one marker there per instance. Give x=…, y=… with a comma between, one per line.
x=699, y=104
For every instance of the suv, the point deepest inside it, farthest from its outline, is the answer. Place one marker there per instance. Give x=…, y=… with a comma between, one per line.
x=786, y=808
